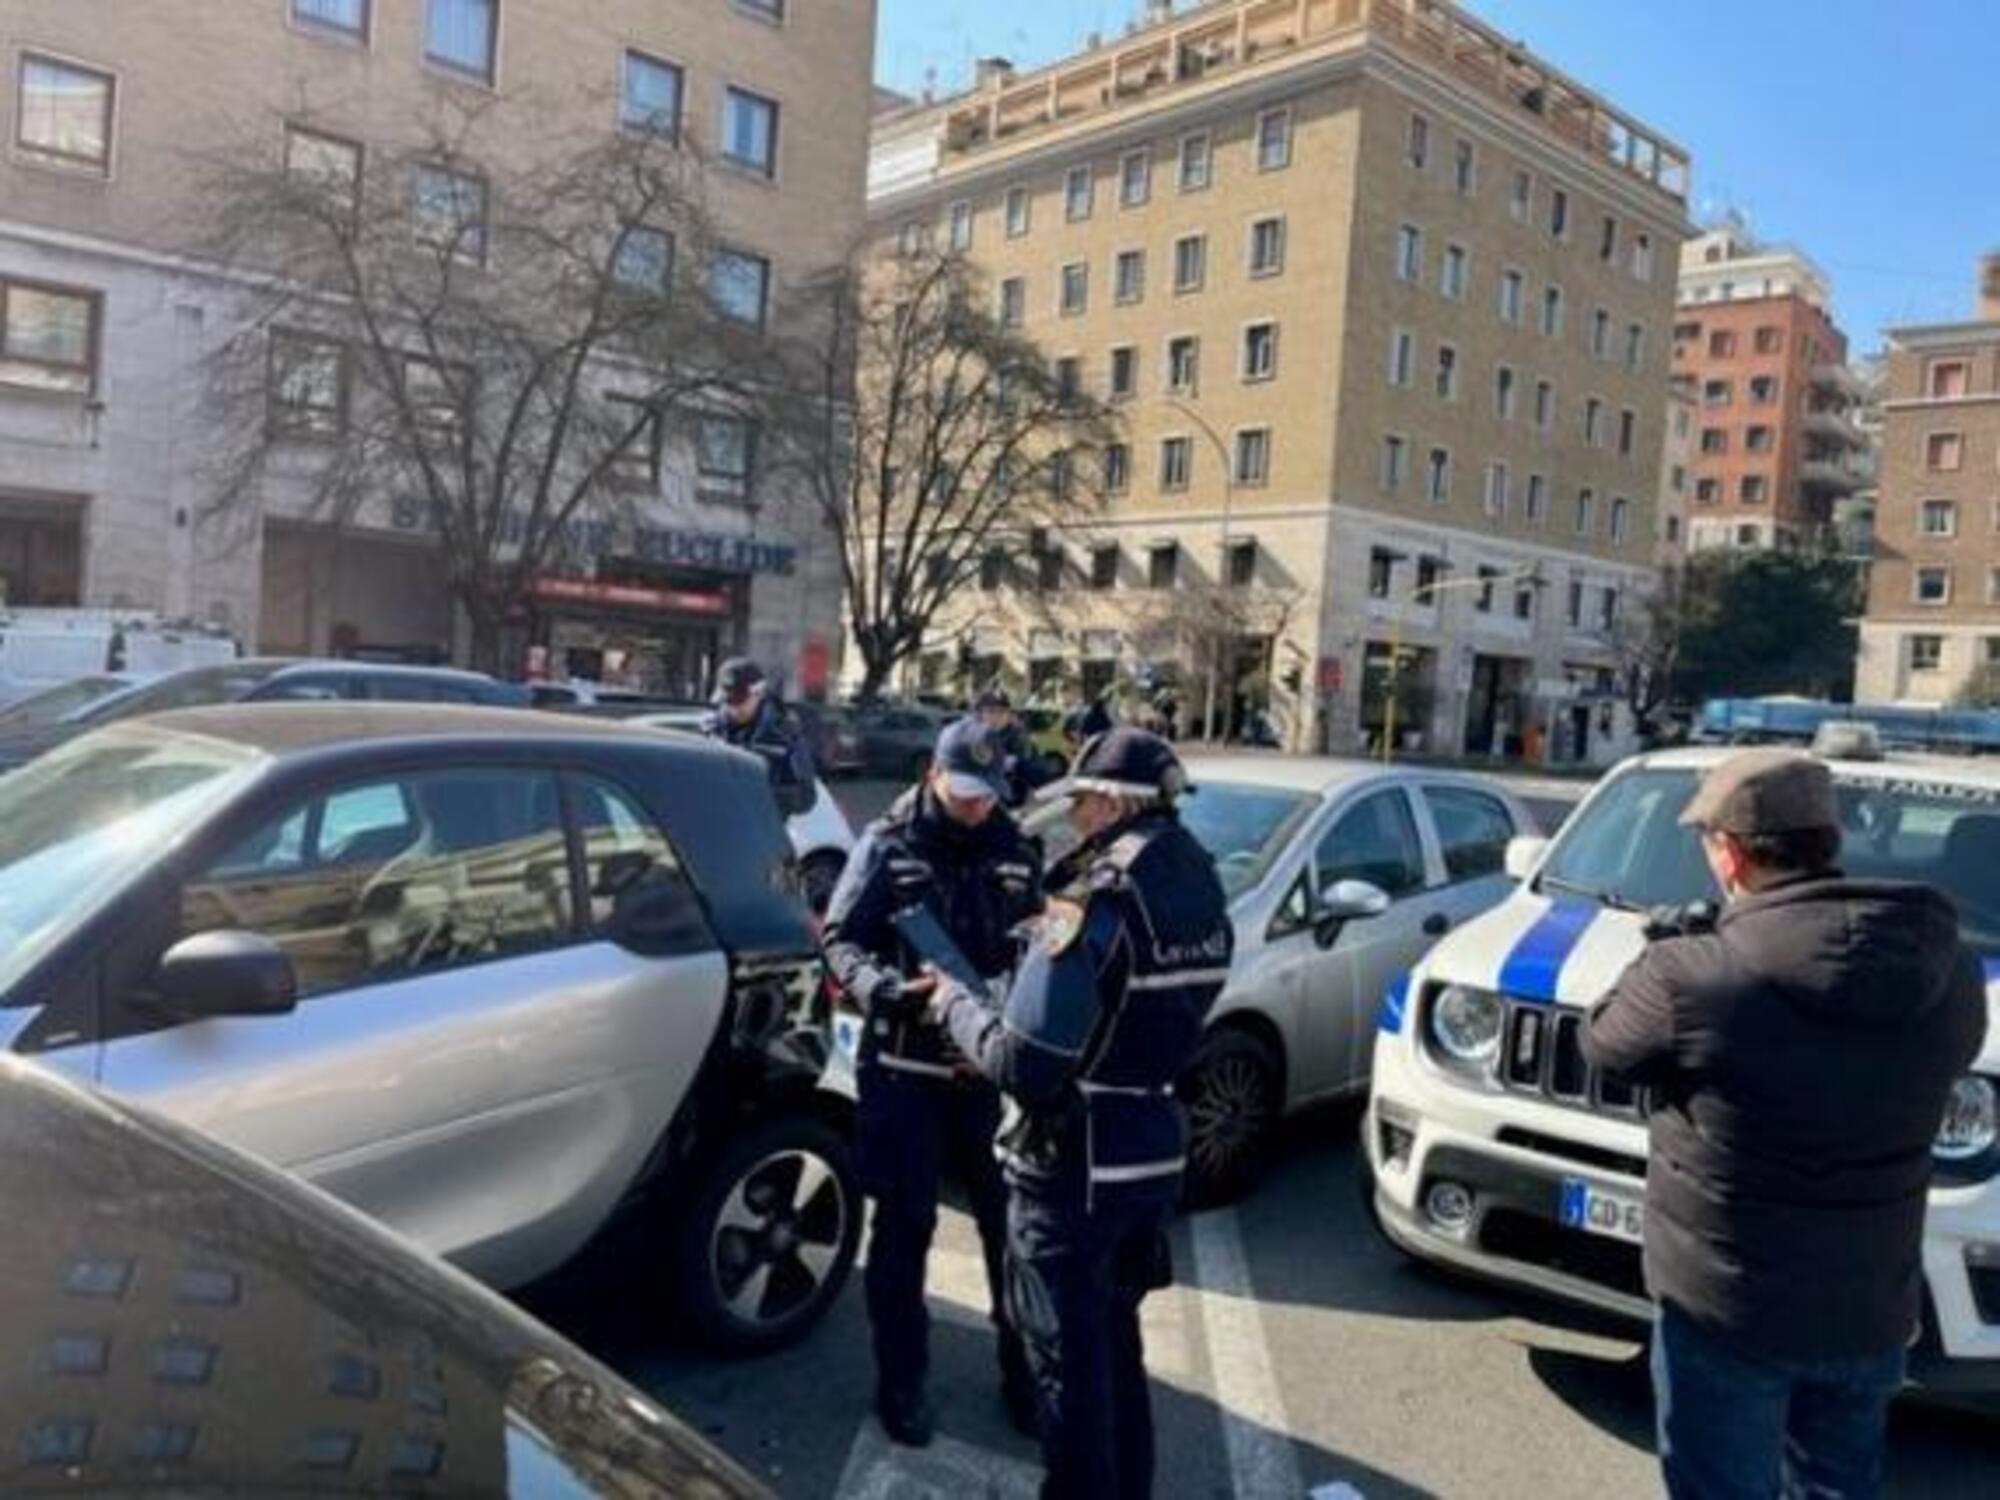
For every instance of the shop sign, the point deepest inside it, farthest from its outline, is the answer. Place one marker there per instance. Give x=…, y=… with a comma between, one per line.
x=586, y=539
x=631, y=596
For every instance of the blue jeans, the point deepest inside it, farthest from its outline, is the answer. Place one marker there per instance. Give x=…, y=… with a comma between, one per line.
x=1737, y=1426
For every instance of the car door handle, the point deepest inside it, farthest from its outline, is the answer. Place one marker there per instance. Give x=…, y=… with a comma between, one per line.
x=1437, y=924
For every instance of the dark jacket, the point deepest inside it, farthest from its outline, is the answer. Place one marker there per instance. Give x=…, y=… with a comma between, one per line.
x=981, y=883
x=1799, y=1056
x=773, y=734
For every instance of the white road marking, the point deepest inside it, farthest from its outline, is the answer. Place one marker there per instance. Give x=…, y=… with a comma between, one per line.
x=1262, y=1461
x=947, y=1470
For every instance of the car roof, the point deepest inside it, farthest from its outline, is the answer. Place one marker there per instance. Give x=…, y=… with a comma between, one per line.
x=279, y=664
x=284, y=729
x=1962, y=770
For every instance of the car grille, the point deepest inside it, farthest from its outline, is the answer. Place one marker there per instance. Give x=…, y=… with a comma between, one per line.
x=1541, y=1054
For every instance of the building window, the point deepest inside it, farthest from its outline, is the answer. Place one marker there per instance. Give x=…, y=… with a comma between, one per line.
x=725, y=454
x=1759, y=439
x=1926, y=653
x=1452, y=274
x=958, y=227
x=1607, y=240
x=1521, y=197
x=1437, y=477
x=1496, y=490
x=1593, y=423
x=1628, y=432
x=48, y=337
x=1586, y=512
x=308, y=385
x=1722, y=344
x=1938, y=518
x=1274, y=140
x=348, y=18
x=1576, y=606
x=1176, y=463
x=1260, y=351
x=448, y=211
x=1163, y=564
x=325, y=164
x=65, y=113
x=1503, y=393
x=1124, y=372
x=1242, y=567
x=1013, y=302
x=1993, y=597
x=1559, y=213
x=1395, y=460
x=1381, y=573
x=1464, y=169
x=1079, y=194
x=462, y=35
x=1620, y=520
x=764, y=10
x=1197, y=162
x=1635, y=345
x=1607, y=611
x=1600, y=334
x=1104, y=569
x=1537, y=503
x=1933, y=585
x=1019, y=216
x=1430, y=571
x=1069, y=378
x=1128, y=276
x=1552, y=311
x=1447, y=372
x=1763, y=390
x=1673, y=530
x=1949, y=379
x=637, y=459
x=180, y=1361
x=1753, y=489
x=1409, y=253
x=1944, y=452
x=1545, y=406
x=1715, y=393
x=1190, y=262
x=1402, y=358
x=1513, y=286
x=1524, y=601
x=1135, y=178
x=60, y=1441
x=1417, y=144
x=652, y=96
x=1642, y=257
x=1715, y=440
x=1074, y=297
x=740, y=285
x=1769, y=340
x=992, y=570
x=1117, y=468
x=1707, y=491
x=1253, y=456
x=1267, y=247
x=1489, y=579
x=750, y=131
x=1183, y=364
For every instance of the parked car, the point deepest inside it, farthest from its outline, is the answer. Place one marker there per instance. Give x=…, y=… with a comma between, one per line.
x=821, y=836
x=578, y=692
x=45, y=648
x=1492, y=1148
x=1340, y=875
x=65, y=703
x=188, y=1320
x=259, y=680
x=836, y=742
x=506, y=981
x=897, y=740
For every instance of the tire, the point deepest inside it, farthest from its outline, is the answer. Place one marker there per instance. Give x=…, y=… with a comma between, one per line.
x=819, y=873
x=743, y=1222
x=1234, y=1093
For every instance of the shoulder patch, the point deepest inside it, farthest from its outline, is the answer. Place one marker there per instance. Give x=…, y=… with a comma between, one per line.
x=1058, y=927
x=1126, y=850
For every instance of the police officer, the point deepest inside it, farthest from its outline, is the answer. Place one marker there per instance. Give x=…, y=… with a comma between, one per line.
x=1022, y=769
x=751, y=717
x=1107, y=1009
x=949, y=846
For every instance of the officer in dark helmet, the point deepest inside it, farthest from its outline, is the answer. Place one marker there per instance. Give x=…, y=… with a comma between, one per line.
x=750, y=716
x=1107, y=1009
x=951, y=847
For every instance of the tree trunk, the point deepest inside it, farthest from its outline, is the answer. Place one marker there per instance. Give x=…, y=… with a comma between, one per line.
x=485, y=639
x=875, y=673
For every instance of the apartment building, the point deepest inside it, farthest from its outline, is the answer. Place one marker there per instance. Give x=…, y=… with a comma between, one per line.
x=111, y=109
x=1777, y=447
x=1933, y=619
x=1383, y=300
x=1677, y=470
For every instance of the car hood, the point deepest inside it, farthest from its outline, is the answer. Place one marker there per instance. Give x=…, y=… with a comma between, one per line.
x=1571, y=951
x=186, y=1319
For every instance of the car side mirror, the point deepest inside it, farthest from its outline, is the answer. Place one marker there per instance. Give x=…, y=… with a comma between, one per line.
x=226, y=974
x=1348, y=901
x=658, y=918
x=1523, y=854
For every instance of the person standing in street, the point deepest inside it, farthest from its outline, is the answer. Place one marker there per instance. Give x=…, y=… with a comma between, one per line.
x=1800, y=1052
x=950, y=847
x=1022, y=772
x=749, y=716
x=1107, y=1009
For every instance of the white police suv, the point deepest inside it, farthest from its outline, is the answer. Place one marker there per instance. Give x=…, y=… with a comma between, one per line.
x=1494, y=1149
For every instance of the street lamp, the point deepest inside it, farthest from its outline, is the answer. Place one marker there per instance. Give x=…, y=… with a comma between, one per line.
x=1222, y=571
x=1532, y=577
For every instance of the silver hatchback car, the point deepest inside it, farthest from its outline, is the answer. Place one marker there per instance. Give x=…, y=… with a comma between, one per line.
x=1340, y=874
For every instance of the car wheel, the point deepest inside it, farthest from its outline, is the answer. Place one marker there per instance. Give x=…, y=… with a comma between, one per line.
x=818, y=874
x=1233, y=1094
x=768, y=1236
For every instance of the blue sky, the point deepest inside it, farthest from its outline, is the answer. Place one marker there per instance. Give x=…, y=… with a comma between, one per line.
x=1861, y=130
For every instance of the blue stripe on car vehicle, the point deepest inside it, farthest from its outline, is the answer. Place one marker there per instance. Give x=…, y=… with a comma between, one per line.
x=1993, y=968
x=1395, y=1000
x=1530, y=972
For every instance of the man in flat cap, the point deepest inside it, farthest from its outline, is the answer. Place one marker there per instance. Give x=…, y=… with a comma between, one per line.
x=1799, y=1055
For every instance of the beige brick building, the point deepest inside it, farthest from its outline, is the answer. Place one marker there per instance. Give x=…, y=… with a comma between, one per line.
x=1934, y=586
x=110, y=108
x=1384, y=300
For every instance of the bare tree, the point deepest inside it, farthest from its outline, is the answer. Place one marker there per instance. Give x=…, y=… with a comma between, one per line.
x=1646, y=640
x=1202, y=627
x=501, y=348
x=931, y=435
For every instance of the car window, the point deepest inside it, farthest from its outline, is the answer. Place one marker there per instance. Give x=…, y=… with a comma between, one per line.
x=1376, y=841
x=192, y=689
x=542, y=694
x=310, y=687
x=385, y=879
x=397, y=688
x=629, y=865
x=1473, y=828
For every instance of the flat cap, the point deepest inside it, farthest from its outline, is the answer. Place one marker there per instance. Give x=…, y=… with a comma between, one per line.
x=1765, y=791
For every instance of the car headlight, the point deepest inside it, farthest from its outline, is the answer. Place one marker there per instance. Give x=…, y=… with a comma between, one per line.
x=1971, y=1120
x=1465, y=1023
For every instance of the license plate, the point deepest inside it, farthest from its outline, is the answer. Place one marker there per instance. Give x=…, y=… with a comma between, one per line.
x=1594, y=1210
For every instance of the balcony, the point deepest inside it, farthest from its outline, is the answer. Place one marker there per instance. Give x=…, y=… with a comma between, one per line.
x=1186, y=53
x=1834, y=474
x=1840, y=378
x=1834, y=426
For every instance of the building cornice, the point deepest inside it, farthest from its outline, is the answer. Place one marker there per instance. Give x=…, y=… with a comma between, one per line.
x=1475, y=540
x=1944, y=335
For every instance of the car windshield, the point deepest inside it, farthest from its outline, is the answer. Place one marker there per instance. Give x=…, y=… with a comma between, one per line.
x=58, y=703
x=79, y=824
x=195, y=689
x=1627, y=845
x=1244, y=827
